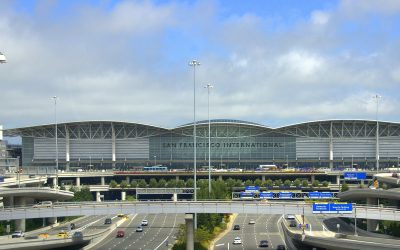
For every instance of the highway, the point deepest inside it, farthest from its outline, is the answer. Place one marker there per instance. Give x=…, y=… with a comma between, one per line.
x=266, y=227
x=161, y=229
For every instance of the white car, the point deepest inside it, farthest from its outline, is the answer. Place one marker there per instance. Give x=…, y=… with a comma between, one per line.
x=237, y=240
x=145, y=223
x=17, y=234
x=251, y=222
x=43, y=204
x=139, y=229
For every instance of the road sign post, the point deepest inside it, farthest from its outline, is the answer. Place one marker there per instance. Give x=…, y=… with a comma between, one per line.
x=338, y=228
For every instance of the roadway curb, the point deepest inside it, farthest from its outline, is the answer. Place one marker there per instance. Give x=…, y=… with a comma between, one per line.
x=222, y=234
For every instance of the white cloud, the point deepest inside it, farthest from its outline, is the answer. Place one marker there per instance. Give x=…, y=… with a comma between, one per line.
x=320, y=17
x=301, y=62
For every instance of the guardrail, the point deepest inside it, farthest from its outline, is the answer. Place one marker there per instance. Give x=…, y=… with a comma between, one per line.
x=148, y=207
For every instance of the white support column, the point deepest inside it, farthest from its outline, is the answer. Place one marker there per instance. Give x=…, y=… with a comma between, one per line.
x=123, y=195
x=20, y=225
x=78, y=181
x=98, y=196
x=177, y=178
x=337, y=179
x=103, y=181
x=189, y=231
x=263, y=178
x=113, y=147
x=128, y=179
x=55, y=184
x=67, y=152
x=175, y=197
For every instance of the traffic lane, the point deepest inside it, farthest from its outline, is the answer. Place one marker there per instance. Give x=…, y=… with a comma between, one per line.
x=274, y=233
x=65, y=226
x=111, y=241
x=316, y=222
x=228, y=238
x=166, y=233
x=99, y=225
x=265, y=228
x=331, y=224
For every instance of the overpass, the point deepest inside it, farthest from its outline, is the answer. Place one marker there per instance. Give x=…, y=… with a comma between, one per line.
x=187, y=207
x=388, y=178
x=42, y=193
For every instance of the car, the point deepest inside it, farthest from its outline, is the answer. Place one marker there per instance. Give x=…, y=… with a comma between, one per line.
x=251, y=222
x=280, y=247
x=107, y=221
x=120, y=234
x=78, y=235
x=145, y=223
x=139, y=229
x=237, y=240
x=72, y=226
x=17, y=234
x=121, y=215
x=63, y=234
x=236, y=227
x=43, y=204
x=263, y=243
x=293, y=224
x=290, y=217
x=44, y=235
x=31, y=237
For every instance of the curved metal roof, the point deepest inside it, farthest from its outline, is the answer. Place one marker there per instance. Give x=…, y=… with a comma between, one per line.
x=227, y=121
x=335, y=120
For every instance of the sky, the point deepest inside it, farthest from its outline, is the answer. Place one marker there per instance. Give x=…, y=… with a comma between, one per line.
x=275, y=62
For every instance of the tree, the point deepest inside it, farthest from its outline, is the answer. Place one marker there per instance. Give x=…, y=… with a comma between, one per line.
x=269, y=183
x=180, y=183
x=315, y=183
x=153, y=183
x=287, y=183
x=297, y=183
x=202, y=234
x=304, y=183
x=172, y=183
x=162, y=183
x=123, y=184
x=83, y=195
x=278, y=182
x=134, y=183
x=325, y=184
x=113, y=184
x=142, y=183
x=345, y=187
x=248, y=183
x=190, y=183
x=257, y=182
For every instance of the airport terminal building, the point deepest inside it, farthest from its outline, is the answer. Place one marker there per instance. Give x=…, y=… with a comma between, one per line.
x=234, y=143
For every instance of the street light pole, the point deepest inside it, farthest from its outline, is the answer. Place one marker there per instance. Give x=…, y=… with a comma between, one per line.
x=55, y=118
x=209, y=86
x=193, y=64
x=377, y=97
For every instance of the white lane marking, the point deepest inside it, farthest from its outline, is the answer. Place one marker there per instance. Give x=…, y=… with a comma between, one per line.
x=168, y=234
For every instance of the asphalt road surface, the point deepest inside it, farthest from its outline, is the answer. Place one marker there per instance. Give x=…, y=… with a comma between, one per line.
x=265, y=228
x=161, y=230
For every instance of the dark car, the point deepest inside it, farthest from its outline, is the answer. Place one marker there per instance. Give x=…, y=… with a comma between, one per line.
x=72, y=226
x=107, y=221
x=280, y=247
x=263, y=243
x=236, y=227
x=293, y=224
x=120, y=234
x=77, y=235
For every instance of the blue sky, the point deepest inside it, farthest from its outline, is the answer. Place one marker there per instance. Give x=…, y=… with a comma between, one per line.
x=271, y=62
